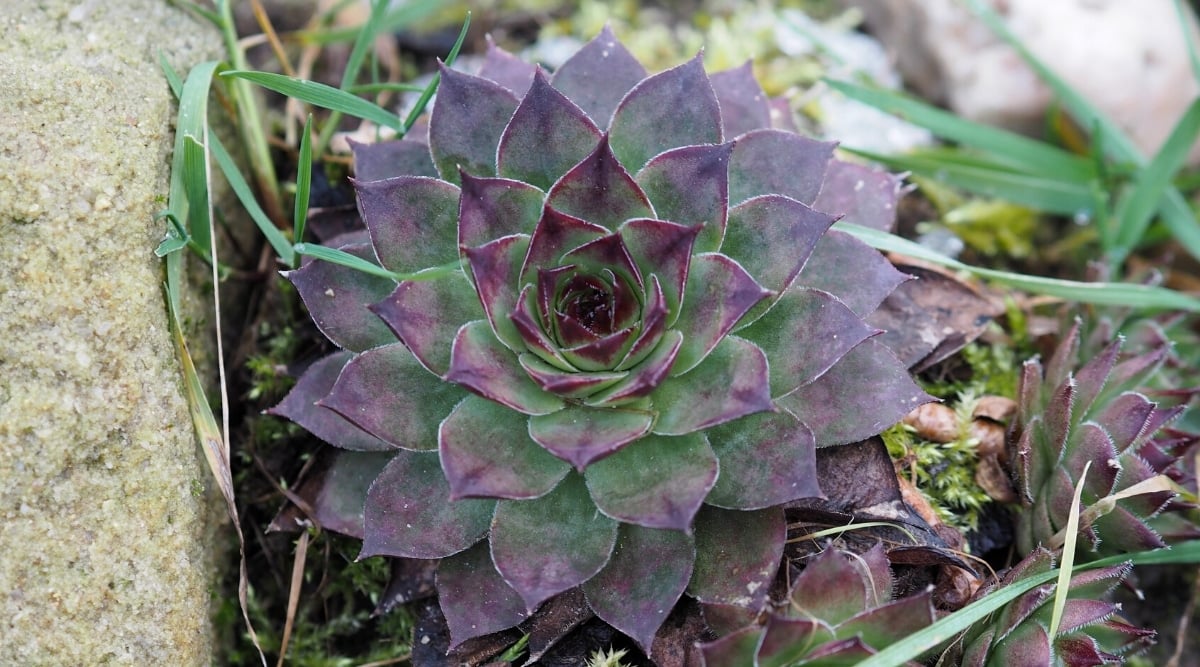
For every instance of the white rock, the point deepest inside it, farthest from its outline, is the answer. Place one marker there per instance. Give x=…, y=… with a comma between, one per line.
x=1128, y=57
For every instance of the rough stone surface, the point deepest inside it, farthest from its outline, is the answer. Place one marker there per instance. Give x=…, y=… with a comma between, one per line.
x=1128, y=58
x=105, y=523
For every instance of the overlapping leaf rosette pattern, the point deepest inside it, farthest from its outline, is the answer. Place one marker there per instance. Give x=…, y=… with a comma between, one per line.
x=617, y=330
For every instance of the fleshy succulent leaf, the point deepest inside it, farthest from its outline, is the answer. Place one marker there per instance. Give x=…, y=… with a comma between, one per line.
x=387, y=159
x=629, y=485
x=300, y=405
x=643, y=378
x=494, y=207
x=556, y=233
x=861, y=195
x=766, y=162
x=673, y=108
x=409, y=512
x=864, y=393
x=766, y=459
x=718, y=293
x=386, y=392
x=466, y=123
x=772, y=236
x=598, y=76
x=506, y=69
x=737, y=555
x=830, y=588
x=494, y=269
x=544, y=546
x=638, y=588
x=787, y=641
x=690, y=186
x=564, y=383
x=600, y=190
x=486, y=452
x=787, y=332
x=544, y=118
x=862, y=289
x=662, y=249
x=337, y=503
x=474, y=597
x=580, y=435
x=424, y=314
x=481, y=364
x=412, y=220
x=744, y=105
x=337, y=296
x=730, y=383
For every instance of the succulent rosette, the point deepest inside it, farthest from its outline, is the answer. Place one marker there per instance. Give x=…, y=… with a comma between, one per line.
x=611, y=328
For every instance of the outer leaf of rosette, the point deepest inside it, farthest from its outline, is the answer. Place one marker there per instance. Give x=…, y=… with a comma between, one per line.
x=506, y=69
x=388, y=159
x=486, y=452
x=409, y=512
x=775, y=162
x=648, y=573
x=386, y=392
x=490, y=208
x=337, y=298
x=545, y=546
x=413, y=221
x=804, y=334
x=862, y=289
x=866, y=391
x=767, y=459
x=690, y=186
x=301, y=406
x=772, y=237
x=599, y=75
x=599, y=189
x=481, y=364
x=466, y=123
x=656, y=482
x=671, y=109
x=581, y=435
x=474, y=597
x=546, y=136
x=744, y=105
x=737, y=555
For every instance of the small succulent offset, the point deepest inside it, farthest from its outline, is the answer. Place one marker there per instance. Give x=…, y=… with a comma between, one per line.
x=1089, y=631
x=616, y=328
x=1093, y=418
x=839, y=611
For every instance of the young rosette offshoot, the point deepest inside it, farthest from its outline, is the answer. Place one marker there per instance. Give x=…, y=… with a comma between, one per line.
x=1094, y=419
x=616, y=329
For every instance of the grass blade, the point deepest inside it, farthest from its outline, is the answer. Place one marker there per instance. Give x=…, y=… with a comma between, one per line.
x=303, y=185
x=946, y=628
x=430, y=89
x=1016, y=151
x=343, y=258
x=1185, y=20
x=1107, y=294
x=993, y=180
x=245, y=195
x=321, y=95
x=1067, y=564
x=404, y=15
x=363, y=41
x=1133, y=215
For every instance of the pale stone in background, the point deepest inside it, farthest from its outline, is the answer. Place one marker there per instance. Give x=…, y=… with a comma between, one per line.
x=1128, y=57
x=106, y=530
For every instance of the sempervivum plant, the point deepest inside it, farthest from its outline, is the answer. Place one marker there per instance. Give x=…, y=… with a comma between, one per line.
x=1095, y=419
x=839, y=611
x=609, y=330
x=1089, y=631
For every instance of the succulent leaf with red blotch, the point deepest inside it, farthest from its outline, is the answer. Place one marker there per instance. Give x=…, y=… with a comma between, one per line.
x=619, y=327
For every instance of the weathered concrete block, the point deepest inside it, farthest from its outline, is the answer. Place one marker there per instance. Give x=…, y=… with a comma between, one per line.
x=104, y=522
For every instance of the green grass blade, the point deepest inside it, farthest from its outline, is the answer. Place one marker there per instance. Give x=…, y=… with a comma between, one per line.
x=1107, y=294
x=245, y=195
x=368, y=88
x=344, y=258
x=196, y=187
x=363, y=41
x=321, y=95
x=1185, y=20
x=303, y=184
x=405, y=14
x=993, y=180
x=1135, y=211
x=192, y=122
x=1016, y=151
x=948, y=627
x=1067, y=564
